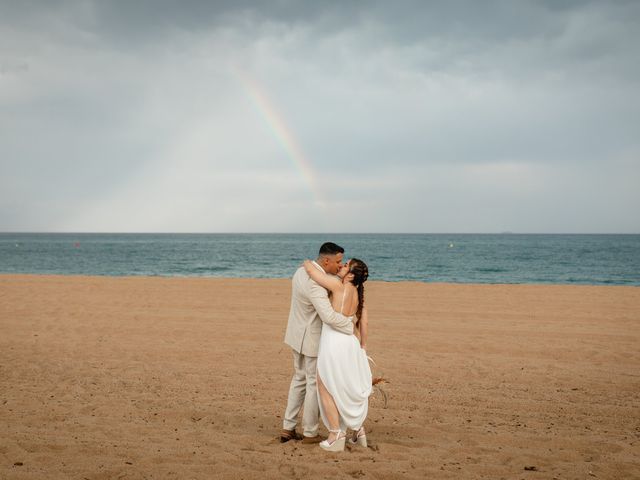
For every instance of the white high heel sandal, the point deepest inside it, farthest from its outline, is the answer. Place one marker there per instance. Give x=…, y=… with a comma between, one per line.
x=337, y=445
x=360, y=438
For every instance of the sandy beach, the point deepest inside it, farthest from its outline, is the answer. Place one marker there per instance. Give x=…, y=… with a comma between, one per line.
x=104, y=378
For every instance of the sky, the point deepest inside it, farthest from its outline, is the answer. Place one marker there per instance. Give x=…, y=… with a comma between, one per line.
x=345, y=116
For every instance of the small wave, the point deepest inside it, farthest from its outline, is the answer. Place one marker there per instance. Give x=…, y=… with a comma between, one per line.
x=210, y=269
x=620, y=281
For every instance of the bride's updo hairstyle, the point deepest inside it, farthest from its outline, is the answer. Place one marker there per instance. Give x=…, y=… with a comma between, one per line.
x=360, y=273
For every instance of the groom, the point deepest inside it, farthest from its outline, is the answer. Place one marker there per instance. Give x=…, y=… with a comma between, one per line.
x=310, y=307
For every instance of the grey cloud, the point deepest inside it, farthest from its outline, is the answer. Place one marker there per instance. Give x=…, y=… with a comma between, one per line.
x=457, y=37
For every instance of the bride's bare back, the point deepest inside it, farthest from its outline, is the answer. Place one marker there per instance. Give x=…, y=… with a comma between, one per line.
x=345, y=301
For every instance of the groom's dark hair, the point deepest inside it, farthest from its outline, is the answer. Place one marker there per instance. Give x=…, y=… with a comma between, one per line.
x=330, y=248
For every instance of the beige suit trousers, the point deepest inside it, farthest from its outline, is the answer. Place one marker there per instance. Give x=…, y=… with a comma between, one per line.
x=303, y=391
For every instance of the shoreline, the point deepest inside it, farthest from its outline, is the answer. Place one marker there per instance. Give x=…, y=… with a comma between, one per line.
x=369, y=282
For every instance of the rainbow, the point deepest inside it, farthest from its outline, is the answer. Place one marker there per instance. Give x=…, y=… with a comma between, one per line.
x=282, y=134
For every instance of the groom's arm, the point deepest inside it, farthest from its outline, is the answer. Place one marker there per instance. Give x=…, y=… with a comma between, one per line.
x=320, y=301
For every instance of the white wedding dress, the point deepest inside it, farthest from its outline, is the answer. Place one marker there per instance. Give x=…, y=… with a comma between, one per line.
x=344, y=370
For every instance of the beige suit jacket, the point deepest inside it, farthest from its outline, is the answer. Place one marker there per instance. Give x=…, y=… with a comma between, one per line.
x=310, y=307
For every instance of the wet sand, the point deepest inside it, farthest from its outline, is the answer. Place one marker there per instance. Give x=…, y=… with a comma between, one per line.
x=183, y=378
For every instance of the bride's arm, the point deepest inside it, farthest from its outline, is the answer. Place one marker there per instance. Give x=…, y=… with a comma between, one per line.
x=329, y=282
x=364, y=327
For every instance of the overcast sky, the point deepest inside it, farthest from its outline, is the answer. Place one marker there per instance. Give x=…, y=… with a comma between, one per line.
x=232, y=116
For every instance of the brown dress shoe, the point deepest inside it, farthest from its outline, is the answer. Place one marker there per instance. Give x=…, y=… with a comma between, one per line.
x=286, y=435
x=316, y=439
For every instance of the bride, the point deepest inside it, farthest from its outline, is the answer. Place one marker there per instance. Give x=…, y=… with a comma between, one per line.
x=343, y=372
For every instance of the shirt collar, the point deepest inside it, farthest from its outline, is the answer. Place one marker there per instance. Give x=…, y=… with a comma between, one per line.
x=318, y=266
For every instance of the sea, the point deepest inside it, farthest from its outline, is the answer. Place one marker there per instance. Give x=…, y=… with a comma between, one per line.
x=454, y=258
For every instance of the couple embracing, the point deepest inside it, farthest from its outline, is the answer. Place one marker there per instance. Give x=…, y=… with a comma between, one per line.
x=331, y=376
